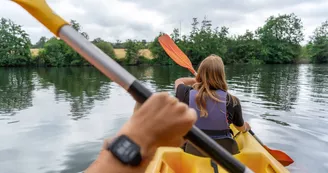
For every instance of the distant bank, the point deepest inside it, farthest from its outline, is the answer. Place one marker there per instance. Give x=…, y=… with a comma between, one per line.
x=120, y=53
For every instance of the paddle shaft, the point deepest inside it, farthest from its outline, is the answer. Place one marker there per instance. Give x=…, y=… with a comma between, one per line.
x=118, y=74
x=253, y=134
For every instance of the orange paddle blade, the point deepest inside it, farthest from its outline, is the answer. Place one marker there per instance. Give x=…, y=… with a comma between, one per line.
x=175, y=52
x=282, y=157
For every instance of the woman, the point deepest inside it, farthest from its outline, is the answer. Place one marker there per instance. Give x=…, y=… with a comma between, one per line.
x=216, y=108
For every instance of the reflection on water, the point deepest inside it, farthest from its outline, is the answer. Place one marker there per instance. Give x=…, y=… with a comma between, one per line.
x=275, y=86
x=81, y=87
x=63, y=114
x=16, y=88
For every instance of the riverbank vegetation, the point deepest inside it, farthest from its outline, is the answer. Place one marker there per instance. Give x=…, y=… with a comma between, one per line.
x=278, y=41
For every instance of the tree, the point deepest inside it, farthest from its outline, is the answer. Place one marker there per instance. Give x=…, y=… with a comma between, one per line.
x=318, y=45
x=159, y=54
x=105, y=46
x=132, y=52
x=244, y=49
x=40, y=43
x=14, y=44
x=57, y=53
x=175, y=35
x=78, y=28
x=144, y=44
x=205, y=41
x=280, y=38
x=118, y=44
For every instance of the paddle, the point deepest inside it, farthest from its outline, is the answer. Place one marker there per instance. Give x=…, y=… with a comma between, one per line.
x=180, y=58
x=282, y=157
x=58, y=26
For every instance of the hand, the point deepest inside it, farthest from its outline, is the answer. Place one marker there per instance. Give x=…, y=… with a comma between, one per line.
x=161, y=121
x=185, y=80
x=247, y=127
x=136, y=106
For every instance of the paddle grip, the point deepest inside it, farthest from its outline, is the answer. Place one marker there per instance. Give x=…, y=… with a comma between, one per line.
x=139, y=92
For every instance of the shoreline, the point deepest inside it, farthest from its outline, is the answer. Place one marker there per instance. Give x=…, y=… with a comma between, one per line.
x=119, y=53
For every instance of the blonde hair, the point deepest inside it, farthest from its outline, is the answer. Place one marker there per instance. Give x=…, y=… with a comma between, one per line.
x=210, y=77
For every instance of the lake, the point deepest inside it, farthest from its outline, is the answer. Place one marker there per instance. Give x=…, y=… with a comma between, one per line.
x=55, y=119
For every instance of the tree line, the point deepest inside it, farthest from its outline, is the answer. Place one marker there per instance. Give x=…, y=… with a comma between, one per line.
x=278, y=41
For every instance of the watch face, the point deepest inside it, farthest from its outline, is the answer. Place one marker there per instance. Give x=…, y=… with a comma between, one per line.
x=126, y=150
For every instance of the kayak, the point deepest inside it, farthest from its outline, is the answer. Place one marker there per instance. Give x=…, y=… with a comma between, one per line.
x=252, y=154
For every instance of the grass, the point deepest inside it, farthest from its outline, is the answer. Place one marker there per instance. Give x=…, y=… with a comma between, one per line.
x=35, y=52
x=120, y=53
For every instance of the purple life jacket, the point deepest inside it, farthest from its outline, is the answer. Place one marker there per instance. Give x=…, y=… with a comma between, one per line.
x=215, y=124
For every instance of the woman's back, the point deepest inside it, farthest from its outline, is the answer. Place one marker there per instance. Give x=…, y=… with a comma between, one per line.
x=216, y=119
x=208, y=95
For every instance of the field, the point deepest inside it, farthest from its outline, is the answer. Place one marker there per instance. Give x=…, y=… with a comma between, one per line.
x=120, y=53
x=35, y=52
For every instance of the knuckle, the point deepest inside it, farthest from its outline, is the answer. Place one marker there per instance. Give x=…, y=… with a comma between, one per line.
x=162, y=96
x=181, y=107
x=158, y=96
x=191, y=116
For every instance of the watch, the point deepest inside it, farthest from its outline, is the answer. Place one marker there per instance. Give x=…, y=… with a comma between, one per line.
x=126, y=150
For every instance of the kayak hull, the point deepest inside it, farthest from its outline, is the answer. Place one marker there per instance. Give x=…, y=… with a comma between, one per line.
x=252, y=154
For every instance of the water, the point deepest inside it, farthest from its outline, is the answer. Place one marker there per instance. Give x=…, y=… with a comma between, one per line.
x=55, y=119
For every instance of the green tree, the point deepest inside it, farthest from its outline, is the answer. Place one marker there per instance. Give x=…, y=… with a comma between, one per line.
x=57, y=53
x=160, y=56
x=105, y=46
x=40, y=44
x=78, y=28
x=318, y=45
x=244, y=49
x=204, y=41
x=280, y=38
x=144, y=44
x=132, y=52
x=15, y=44
x=118, y=44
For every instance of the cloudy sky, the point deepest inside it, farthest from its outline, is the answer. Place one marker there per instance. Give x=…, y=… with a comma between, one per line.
x=144, y=19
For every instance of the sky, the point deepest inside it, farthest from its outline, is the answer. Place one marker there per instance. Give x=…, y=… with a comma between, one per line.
x=114, y=20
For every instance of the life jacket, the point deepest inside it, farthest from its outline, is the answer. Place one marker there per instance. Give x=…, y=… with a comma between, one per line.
x=216, y=124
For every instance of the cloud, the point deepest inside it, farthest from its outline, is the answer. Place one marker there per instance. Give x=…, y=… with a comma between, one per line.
x=144, y=19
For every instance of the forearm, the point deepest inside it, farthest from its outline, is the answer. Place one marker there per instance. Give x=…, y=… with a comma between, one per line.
x=243, y=128
x=186, y=81
x=107, y=163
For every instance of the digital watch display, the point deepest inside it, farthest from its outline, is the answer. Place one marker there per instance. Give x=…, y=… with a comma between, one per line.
x=126, y=150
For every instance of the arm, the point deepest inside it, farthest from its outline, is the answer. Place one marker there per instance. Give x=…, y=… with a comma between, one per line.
x=107, y=163
x=238, y=120
x=152, y=125
x=243, y=128
x=185, y=81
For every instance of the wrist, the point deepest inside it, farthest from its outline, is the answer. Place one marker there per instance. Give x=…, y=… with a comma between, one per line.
x=147, y=143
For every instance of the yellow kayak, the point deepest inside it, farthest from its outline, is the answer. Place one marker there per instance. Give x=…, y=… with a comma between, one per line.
x=252, y=154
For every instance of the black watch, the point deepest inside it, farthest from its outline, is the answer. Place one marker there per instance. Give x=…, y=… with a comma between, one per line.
x=125, y=150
